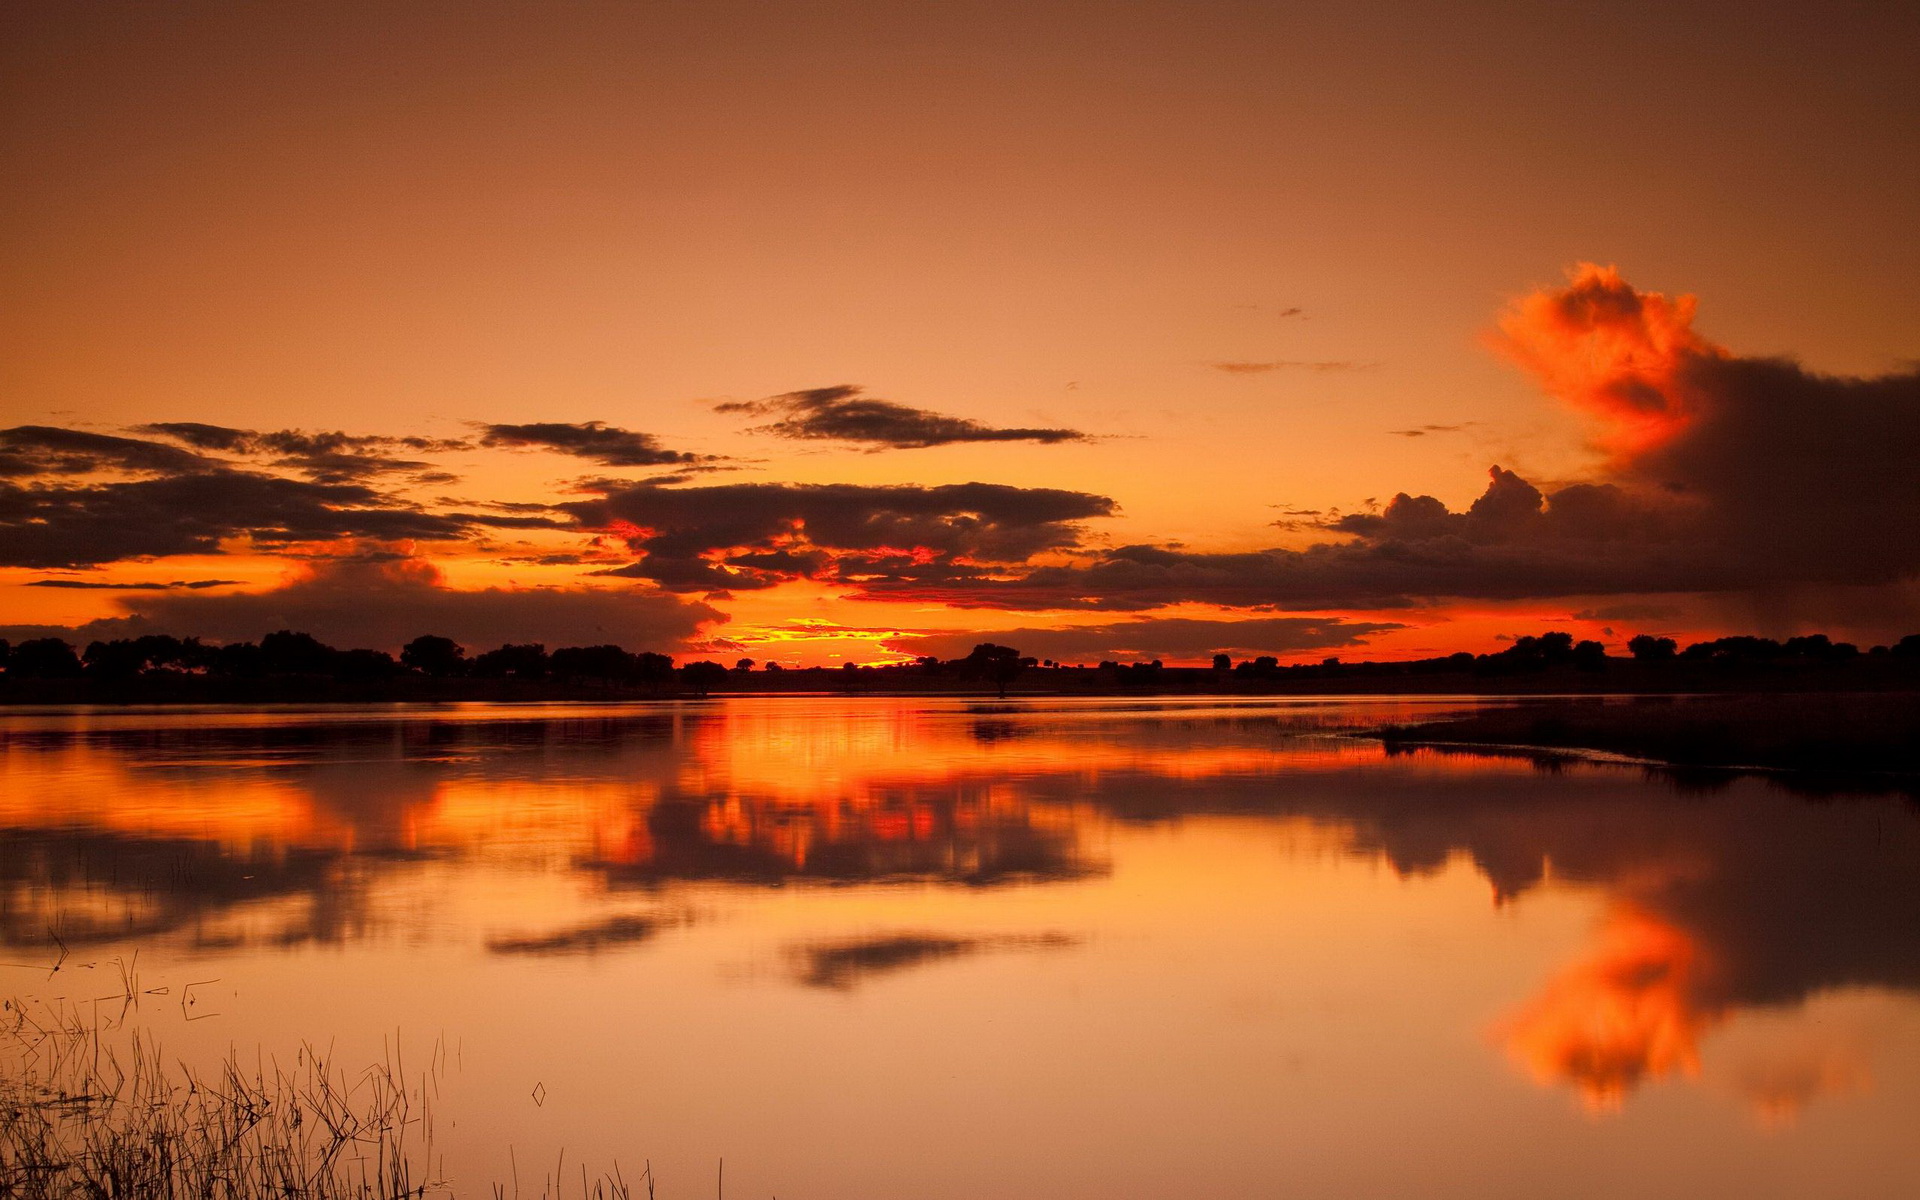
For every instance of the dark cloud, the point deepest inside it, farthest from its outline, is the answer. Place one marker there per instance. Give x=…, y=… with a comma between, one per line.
x=1424, y=430
x=206, y=437
x=493, y=520
x=594, y=440
x=1510, y=544
x=97, y=585
x=759, y=534
x=48, y=450
x=1177, y=639
x=1291, y=364
x=383, y=600
x=842, y=414
x=58, y=525
x=1628, y=612
x=326, y=457
x=1753, y=477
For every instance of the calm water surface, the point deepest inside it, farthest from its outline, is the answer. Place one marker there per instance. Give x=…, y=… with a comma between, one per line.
x=897, y=948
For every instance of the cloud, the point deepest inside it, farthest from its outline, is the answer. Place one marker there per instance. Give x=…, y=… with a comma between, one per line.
x=1628, y=612
x=752, y=535
x=1424, y=430
x=97, y=585
x=1171, y=638
x=842, y=414
x=326, y=457
x=383, y=598
x=63, y=525
x=610, y=934
x=1622, y=355
x=594, y=440
x=49, y=450
x=1721, y=474
x=843, y=964
x=1290, y=364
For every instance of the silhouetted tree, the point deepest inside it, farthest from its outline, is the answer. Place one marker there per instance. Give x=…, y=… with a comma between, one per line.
x=1820, y=648
x=1223, y=662
x=1739, y=649
x=439, y=657
x=1590, y=656
x=1556, y=647
x=703, y=675
x=528, y=661
x=288, y=653
x=362, y=665
x=998, y=665
x=43, y=658
x=125, y=658
x=1907, y=647
x=118, y=659
x=240, y=660
x=649, y=667
x=1647, y=648
x=609, y=664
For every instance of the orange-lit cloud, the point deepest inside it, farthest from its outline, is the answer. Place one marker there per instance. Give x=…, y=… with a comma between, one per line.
x=1619, y=354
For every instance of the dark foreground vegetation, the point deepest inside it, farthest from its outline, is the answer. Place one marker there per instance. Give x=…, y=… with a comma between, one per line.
x=287, y=666
x=1828, y=733
x=89, y=1111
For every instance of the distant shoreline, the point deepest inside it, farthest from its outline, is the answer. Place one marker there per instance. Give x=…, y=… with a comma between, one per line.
x=1621, y=677
x=1833, y=734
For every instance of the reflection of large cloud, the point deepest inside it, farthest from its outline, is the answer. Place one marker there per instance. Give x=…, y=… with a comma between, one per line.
x=1633, y=1008
x=385, y=601
x=1723, y=474
x=1715, y=903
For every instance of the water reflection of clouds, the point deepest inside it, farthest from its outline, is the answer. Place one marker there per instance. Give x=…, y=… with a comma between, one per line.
x=840, y=965
x=1726, y=900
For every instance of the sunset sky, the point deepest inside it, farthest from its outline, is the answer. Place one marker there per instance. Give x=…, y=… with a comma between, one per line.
x=841, y=332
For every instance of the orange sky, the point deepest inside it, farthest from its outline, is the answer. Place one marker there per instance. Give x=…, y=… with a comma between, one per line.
x=406, y=221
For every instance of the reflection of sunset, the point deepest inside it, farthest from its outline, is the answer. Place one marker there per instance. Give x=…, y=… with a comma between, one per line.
x=890, y=771
x=1630, y=1010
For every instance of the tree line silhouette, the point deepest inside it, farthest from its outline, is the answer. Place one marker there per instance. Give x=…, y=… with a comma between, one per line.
x=290, y=654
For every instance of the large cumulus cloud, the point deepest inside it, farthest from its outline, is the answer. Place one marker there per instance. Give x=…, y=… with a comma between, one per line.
x=1719, y=474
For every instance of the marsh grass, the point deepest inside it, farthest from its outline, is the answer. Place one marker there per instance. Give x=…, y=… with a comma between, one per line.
x=91, y=1108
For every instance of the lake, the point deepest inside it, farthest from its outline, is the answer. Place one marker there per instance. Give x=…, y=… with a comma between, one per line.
x=935, y=947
